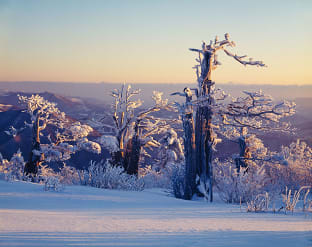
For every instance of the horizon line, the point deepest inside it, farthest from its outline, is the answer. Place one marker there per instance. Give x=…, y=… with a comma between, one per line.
x=105, y=82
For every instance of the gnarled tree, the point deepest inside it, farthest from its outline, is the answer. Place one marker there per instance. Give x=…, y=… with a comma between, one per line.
x=66, y=138
x=133, y=131
x=205, y=105
x=255, y=111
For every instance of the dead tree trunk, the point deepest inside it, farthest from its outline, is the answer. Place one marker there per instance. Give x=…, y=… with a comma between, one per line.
x=203, y=128
x=204, y=139
x=189, y=152
x=244, y=152
x=128, y=155
x=204, y=135
x=118, y=156
x=133, y=153
x=32, y=165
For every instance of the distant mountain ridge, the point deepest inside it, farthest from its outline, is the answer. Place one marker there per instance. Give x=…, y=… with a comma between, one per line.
x=83, y=109
x=102, y=91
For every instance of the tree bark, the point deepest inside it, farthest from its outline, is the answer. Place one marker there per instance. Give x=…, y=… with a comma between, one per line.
x=204, y=142
x=132, y=153
x=189, y=151
x=244, y=154
x=32, y=165
x=132, y=164
x=203, y=128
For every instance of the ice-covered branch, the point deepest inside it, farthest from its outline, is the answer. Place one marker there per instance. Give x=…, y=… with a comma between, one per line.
x=257, y=111
x=44, y=113
x=210, y=60
x=241, y=60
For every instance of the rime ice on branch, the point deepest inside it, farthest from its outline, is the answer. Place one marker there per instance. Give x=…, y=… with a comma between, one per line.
x=208, y=59
x=256, y=111
x=133, y=132
x=199, y=135
x=44, y=113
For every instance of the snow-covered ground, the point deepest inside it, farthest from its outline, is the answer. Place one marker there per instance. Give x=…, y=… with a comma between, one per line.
x=85, y=216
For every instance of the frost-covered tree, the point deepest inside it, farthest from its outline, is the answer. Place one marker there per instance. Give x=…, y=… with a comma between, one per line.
x=133, y=131
x=65, y=137
x=171, y=150
x=200, y=137
x=255, y=111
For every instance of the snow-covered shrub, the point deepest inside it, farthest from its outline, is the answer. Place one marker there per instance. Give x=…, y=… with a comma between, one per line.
x=68, y=175
x=235, y=185
x=178, y=180
x=1, y=164
x=13, y=169
x=152, y=178
x=159, y=178
x=307, y=203
x=4, y=167
x=53, y=184
x=105, y=175
x=259, y=204
x=45, y=171
x=295, y=171
x=84, y=177
x=290, y=199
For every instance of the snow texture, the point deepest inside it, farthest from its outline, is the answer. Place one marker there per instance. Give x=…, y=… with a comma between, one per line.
x=79, y=215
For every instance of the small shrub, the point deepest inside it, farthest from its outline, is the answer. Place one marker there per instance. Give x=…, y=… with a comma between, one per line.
x=290, y=200
x=259, y=204
x=307, y=203
x=296, y=171
x=178, y=180
x=44, y=173
x=105, y=175
x=13, y=169
x=68, y=175
x=154, y=179
x=238, y=186
x=53, y=184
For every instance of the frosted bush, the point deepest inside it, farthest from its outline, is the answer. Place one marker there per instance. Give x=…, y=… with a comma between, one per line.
x=155, y=179
x=53, y=184
x=13, y=169
x=259, y=204
x=307, y=203
x=178, y=180
x=105, y=175
x=68, y=175
x=45, y=171
x=238, y=186
x=296, y=171
x=84, y=177
x=291, y=199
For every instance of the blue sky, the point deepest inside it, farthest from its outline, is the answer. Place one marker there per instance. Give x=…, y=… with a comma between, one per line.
x=148, y=41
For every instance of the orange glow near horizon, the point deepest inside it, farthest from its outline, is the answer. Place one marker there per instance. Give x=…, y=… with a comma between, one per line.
x=117, y=41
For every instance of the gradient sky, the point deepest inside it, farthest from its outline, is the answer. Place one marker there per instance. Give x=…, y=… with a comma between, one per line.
x=148, y=41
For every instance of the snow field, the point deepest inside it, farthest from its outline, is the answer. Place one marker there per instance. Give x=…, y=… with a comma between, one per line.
x=89, y=216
